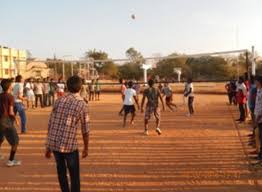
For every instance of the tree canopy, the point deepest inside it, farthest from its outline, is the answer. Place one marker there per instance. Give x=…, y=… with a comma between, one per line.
x=201, y=68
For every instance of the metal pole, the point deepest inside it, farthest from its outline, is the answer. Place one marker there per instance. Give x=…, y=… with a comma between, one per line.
x=55, y=70
x=237, y=68
x=179, y=77
x=63, y=69
x=72, y=69
x=145, y=76
x=86, y=73
x=253, y=61
x=80, y=74
x=247, y=63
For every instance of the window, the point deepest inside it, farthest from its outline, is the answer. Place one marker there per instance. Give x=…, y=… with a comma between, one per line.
x=13, y=72
x=6, y=58
x=6, y=71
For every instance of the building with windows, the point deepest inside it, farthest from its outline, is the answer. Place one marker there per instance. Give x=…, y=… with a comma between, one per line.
x=12, y=62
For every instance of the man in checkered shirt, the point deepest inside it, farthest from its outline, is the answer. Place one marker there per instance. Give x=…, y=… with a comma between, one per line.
x=67, y=113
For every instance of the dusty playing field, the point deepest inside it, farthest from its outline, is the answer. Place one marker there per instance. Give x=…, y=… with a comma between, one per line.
x=203, y=153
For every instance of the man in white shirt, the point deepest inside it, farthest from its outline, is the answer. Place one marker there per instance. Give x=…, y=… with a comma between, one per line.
x=189, y=93
x=129, y=97
x=241, y=86
x=18, y=91
x=29, y=86
x=60, y=88
x=38, y=88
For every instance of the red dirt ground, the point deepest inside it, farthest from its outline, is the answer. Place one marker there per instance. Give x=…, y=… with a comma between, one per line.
x=203, y=153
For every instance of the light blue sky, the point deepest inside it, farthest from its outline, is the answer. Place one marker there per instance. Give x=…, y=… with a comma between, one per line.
x=69, y=27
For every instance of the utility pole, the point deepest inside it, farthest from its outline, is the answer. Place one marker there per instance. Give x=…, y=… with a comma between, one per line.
x=72, y=69
x=247, y=62
x=63, y=67
x=253, y=61
x=64, y=61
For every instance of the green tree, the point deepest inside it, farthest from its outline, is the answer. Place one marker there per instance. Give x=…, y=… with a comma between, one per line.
x=97, y=55
x=259, y=67
x=135, y=56
x=165, y=68
x=208, y=68
x=132, y=69
x=110, y=69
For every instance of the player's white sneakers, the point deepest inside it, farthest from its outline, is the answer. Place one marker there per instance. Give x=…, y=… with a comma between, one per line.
x=158, y=130
x=146, y=132
x=13, y=163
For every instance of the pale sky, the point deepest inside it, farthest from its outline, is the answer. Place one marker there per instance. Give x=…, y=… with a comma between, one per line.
x=70, y=27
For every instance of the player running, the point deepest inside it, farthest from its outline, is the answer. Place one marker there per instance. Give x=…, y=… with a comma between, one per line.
x=168, y=93
x=152, y=95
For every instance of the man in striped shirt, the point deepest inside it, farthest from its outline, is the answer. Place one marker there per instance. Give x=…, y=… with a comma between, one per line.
x=67, y=112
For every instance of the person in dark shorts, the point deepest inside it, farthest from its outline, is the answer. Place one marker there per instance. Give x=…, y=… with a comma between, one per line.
x=129, y=107
x=152, y=95
x=7, y=121
x=168, y=93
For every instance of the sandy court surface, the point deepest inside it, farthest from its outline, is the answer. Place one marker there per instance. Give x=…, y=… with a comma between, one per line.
x=199, y=154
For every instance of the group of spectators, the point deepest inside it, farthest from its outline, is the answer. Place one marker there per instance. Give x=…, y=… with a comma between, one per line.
x=43, y=93
x=14, y=93
x=247, y=94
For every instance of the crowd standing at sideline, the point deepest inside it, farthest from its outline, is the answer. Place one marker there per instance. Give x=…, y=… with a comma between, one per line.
x=247, y=92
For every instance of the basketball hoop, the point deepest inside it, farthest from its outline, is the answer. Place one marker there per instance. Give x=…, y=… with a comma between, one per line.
x=178, y=71
x=146, y=67
x=152, y=63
